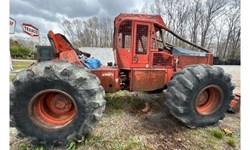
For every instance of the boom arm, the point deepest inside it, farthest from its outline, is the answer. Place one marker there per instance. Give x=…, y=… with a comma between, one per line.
x=64, y=49
x=190, y=43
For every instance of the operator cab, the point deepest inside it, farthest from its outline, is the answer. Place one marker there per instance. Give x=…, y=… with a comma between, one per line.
x=139, y=43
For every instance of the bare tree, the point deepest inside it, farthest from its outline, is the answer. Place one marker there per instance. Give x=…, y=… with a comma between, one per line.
x=210, y=23
x=195, y=19
x=211, y=11
x=232, y=26
x=233, y=50
x=219, y=37
x=68, y=29
x=89, y=33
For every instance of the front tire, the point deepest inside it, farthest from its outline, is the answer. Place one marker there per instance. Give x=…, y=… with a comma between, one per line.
x=55, y=102
x=199, y=95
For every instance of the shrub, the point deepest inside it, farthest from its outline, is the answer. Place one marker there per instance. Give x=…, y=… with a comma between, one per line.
x=231, y=142
x=18, y=51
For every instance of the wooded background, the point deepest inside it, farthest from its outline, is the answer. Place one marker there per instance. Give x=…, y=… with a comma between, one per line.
x=213, y=24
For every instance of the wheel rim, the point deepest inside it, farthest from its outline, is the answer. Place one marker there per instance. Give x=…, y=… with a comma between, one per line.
x=52, y=109
x=209, y=100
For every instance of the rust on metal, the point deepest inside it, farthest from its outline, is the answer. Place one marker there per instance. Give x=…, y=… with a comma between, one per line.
x=156, y=19
x=109, y=77
x=188, y=60
x=63, y=48
x=52, y=109
x=209, y=100
x=147, y=79
x=235, y=103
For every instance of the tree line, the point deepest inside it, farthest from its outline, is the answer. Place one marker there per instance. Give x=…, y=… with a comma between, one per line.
x=212, y=24
x=93, y=32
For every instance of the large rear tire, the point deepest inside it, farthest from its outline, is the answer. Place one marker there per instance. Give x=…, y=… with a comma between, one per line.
x=199, y=95
x=55, y=102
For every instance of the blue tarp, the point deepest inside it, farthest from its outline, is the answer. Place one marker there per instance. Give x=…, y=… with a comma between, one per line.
x=91, y=62
x=177, y=51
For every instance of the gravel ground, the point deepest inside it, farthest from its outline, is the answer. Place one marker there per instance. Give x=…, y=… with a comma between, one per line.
x=235, y=72
x=126, y=129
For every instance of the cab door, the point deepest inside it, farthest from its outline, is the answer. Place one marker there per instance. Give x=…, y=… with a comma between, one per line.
x=141, y=43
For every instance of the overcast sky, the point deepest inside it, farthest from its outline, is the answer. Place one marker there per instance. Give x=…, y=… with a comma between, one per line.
x=47, y=14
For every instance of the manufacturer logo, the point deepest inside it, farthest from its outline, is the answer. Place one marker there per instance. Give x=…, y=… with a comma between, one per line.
x=108, y=74
x=30, y=30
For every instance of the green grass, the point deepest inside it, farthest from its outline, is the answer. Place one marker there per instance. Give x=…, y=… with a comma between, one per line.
x=134, y=144
x=216, y=133
x=211, y=141
x=220, y=135
x=22, y=146
x=17, y=65
x=231, y=142
x=122, y=101
x=115, y=146
x=11, y=77
x=92, y=140
x=21, y=64
x=130, y=144
x=71, y=145
x=99, y=141
x=115, y=102
x=39, y=148
x=208, y=137
x=115, y=112
x=195, y=132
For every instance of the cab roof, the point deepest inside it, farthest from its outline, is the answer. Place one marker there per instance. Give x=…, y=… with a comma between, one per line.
x=156, y=19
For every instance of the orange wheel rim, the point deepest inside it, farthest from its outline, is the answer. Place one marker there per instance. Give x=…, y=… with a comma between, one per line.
x=209, y=100
x=52, y=109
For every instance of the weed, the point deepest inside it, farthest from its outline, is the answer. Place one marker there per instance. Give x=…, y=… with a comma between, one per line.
x=115, y=112
x=122, y=100
x=136, y=103
x=115, y=146
x=112, y=102
x=38, y=147
x=11, y=77
x=130, y=144
x=216, y=133
x=211, y=141
x=231, y=142
x=92, y=140
x=71, y=145
x=134, y=144
x=194, y=131
x=22, y=146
